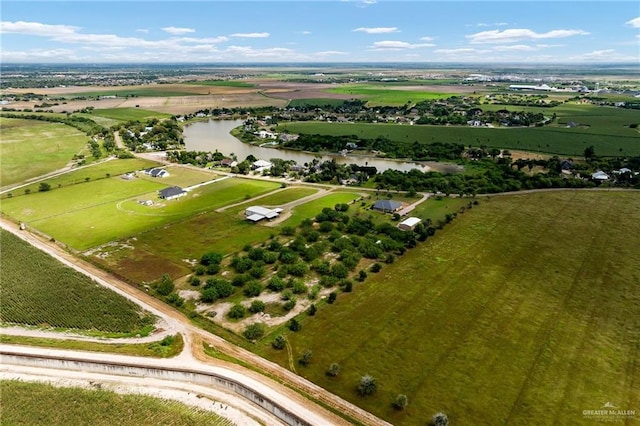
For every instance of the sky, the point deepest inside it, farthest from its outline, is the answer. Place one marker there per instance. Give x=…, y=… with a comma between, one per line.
x=156, y=31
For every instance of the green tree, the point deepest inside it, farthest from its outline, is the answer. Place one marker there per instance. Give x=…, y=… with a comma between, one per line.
x=44, y=186
x=312, y=310
x=333, y=370
x=294, y=325
x=400, y=402
x=254, y=331
x=211, y=258
x=440, y=419
x=237, y=311
x=257, y=306
x=279, y=342
x=367, y=385
x=305, y=359
x=165, y=286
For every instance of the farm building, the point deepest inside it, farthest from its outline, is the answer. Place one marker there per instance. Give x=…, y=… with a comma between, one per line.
x=257, y=213
x=409, y=223
x=600, y=176
x=387, y=206
x=172, y=192
x=157, y=172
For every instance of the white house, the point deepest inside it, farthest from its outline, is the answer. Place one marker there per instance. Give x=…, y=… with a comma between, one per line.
x=600, y=176
x=172, y=192
x=409, y=223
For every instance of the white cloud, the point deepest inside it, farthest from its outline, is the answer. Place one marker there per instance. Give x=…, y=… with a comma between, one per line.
x=606, y=55
x=426, y=38
x=35, y=28
x=219, y=39
x=398, y=45
x=378, y=30
x=305, y=32
x=514, y=48
x=251, y=35
x=331, y=53
x=497, y=24
x=514, y=35
x=635, y=22
x=38, y=55
x=178, y=30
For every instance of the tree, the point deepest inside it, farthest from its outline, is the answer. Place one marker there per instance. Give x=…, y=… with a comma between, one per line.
x=333, y=370
x=209, y=295
x=589, y=152
x=367, y=385
x=312, y=310
x=288, y=231
x=165, y=286
x=294, y=325
x=211, y=258
x=305, y=359
x=440, y=419
x=44, y=186
x=400, y=402
x=237, y=311
x=332, y=297
x=254, y=331
x=257, y=306
x=279, y=342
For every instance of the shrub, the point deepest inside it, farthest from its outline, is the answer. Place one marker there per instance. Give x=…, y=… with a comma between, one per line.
x=305, y=359
x=332, y=297
x=439, y=419
x=367, y=385
x=289, y=304
x=400, y=402
x=253, y=289
x=257, y=306
x=175, y=300
x=275, y=284
x=194, y=281
x=165, y=286
x=294, y=325
x=211, y=258
x=333, y=370
x=209, y=295
x=312, y=310
x=375, y=268
x=279, y=342
x=299, y=287
x=288, y=231
x=200, y=270
x=254, y=331
x=239, y=280
x=237, y=311
x=213, y=268
x=362, y=275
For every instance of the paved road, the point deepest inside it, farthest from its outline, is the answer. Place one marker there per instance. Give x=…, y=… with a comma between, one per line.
x=194, y=337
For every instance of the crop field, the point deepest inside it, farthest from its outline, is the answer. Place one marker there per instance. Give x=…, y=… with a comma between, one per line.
x=554, y=140
x=37, y=290
x=91, y=173
x=27, y=403
x=387, y=94
x=32, y=148
x=527, y=304
x=224, y=83
x=127, y=114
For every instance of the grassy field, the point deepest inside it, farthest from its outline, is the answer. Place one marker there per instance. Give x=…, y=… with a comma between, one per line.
x=127, y=114
x=94, y=172
x=313, y=103
x=31, y=148
x=97, y=212
x=39, y=404
x=312, y=208
x=554, y=140
x=37, y=290
x=381, y=94
x=522, y=311
x=182, y=177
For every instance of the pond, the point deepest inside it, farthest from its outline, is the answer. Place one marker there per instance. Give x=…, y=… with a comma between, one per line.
x=215, y=135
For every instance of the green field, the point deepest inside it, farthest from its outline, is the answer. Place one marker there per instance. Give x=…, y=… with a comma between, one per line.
x=43, y=404
x=382, y=94
x=522, y=311
x=32, y=148
x=312, y=208
x=37, y=290
x=554, y=140
x=182, y=176
x=128, y=114
x=93, y=172
x=315, y=102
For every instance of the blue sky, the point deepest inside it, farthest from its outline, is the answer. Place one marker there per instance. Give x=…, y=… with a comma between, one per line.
x=319, y=31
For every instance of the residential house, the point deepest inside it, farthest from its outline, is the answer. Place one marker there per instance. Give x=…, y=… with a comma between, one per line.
x=387, y=206
x=172, y=192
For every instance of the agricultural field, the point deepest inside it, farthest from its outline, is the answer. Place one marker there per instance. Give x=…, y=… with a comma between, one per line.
x=553, y=140
x=377, y=94
x=526, y=304
x=127, y=114
x=32, y=148
x=27, y=403
x=39, y=291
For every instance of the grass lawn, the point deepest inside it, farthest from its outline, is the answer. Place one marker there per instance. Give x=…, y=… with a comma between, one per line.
x=312, y=208
x=380, y=94
x=32, y=148
x=522, y=311
x=182, y=177
x=27, y=403
x=128, y=114
x=37, y=290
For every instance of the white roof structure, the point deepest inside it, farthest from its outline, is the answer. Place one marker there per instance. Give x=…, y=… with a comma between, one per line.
x=600, y=175
x=261, y=163
x=409, y=223
x=257, y=213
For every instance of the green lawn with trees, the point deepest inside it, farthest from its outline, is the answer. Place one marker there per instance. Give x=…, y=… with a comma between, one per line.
x=527, y=304
x=39, y=291
x=26, y=403
x=32, y=148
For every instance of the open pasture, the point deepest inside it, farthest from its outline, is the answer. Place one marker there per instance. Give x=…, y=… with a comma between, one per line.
x=527, y=304
x=122, y=217
x=28, y=403
x=127, y=114
x=381, y=94
x=32, y=148
x=553, y=140
x=37, y=290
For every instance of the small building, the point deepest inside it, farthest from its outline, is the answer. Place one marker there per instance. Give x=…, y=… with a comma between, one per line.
x=387, y=206
x=228, y=162
x=261, y=164
x=600, y=176
x=257, y=213
x=409, y=223
x=156, y=172
x=172, y=192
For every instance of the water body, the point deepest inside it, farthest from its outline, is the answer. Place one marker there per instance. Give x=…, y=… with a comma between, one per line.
x=215, y=135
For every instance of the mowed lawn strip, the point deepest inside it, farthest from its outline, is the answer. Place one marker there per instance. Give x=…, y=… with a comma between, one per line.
x=28, y=403
x=38, y=290
x=525, y=304
x=124, y=217
x=32, y=148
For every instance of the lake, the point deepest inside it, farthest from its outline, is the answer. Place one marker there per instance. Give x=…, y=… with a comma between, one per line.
x=215, y=135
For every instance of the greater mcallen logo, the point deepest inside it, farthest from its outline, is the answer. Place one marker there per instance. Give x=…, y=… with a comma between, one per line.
x=609, y=413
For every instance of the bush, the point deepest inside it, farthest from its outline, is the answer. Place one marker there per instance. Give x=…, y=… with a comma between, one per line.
x=165, y=286
x=211, y=258
x=305, y=359
x=332, y=297
x=44, y=186
x=257, y=306
x=367, y=385
x=294, y=325
x=289, y=304
x=288, y=231
x=253, y=289
x=276, y=284
x=312, y=310
x=175, y=300
x=376, y=267
x=279, y=342
x=362, y=275
x=239, y=280
x=237, y=311
x=440, y=419
x=333, y=370
x=254, y=331
x=400, y=402
x=209, y=295
x=213, y=268
x=194, y=281
x=200, y=270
